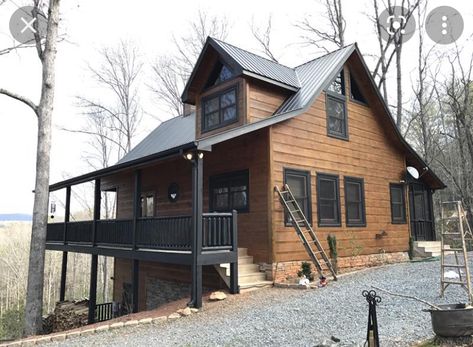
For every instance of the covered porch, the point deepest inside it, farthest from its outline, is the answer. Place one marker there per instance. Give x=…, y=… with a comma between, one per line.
x=194, y=239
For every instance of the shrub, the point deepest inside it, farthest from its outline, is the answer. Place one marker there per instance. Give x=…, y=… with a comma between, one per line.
x=306, y=270
x=332, y=244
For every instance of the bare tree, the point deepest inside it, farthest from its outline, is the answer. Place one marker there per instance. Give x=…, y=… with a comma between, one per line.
x=172, y=70
x=46, y=49
x=313, y=34
x=263, y=37
x=392, y=48
x=111, y=124
x=422, y=125
x=113, y=121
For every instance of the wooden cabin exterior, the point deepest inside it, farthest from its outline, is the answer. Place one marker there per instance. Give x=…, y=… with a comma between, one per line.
x=199, y=191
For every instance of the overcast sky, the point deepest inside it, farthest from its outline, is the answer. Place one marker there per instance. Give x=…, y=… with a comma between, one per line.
x=91, y=24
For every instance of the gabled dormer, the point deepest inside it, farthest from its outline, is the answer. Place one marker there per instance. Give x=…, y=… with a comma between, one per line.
x=231, y=87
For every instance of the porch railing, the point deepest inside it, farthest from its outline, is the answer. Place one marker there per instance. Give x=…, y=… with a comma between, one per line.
x=114, y=232
x=103, y=312
x=163, y=233
x=217, y=231
x=170, y=233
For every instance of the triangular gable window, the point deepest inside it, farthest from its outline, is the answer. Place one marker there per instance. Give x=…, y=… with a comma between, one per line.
x=356, y=91
x=338, y=84
x=219, y=74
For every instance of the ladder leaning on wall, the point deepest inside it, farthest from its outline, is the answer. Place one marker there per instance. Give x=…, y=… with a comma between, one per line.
x=305, y=232
x=455, y=230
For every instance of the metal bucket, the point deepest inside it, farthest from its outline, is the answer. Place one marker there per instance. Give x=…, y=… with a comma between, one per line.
x=452, y=320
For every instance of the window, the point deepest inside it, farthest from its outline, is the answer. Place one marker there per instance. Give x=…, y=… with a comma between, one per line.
x=338, y=84
x=355, y=91
x=299, y=183
x=328, y=200
x=147, y=205
x=398, y=207
x=219, y=110
x=336, y=108
x=220, y=73
x=355, y=201
x=229, y=192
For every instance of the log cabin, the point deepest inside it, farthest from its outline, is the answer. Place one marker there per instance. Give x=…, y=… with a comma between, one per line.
x=196, y=201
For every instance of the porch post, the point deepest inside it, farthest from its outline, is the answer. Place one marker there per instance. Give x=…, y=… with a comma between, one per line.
x=234, y=287
x=62, y=292
x=94, y=262
x=197, y=190
x=93, y=289
x=135, y=262
x=135, y=284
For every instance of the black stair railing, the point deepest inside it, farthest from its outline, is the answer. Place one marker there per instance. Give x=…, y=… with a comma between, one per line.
x=218, y=230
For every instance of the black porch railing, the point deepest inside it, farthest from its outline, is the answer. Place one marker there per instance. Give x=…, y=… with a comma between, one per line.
x=114, y=232
x=103, y=312
x=161, y=233
x=169, y=233
x=217, y=231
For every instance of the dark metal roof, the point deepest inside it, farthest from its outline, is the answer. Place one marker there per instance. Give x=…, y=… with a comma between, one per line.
x=310, y=78
x=258, y=65
x=172, y=133
x=314, y=76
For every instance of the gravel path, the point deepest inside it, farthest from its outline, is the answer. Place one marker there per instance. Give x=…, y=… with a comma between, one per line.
x=288, y=317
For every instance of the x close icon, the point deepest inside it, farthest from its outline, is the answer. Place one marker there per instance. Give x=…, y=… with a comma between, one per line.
x=23, y=24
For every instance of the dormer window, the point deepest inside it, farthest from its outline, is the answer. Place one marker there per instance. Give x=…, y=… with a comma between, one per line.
x=219, y=109
x=336, y=108
x=219, y=74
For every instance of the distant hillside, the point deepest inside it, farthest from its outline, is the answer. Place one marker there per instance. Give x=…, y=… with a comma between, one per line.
x=21, y=217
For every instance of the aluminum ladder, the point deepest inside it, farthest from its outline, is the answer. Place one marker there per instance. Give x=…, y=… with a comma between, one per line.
x=455, y=235
x=305, y=232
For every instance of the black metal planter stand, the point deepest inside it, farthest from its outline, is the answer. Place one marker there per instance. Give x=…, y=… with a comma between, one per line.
x=372, y=337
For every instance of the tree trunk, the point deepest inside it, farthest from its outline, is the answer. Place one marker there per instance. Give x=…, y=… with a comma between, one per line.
x=399, y=85
x=34, y=295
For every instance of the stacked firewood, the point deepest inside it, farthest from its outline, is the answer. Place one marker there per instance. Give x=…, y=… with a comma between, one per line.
x=67, y=315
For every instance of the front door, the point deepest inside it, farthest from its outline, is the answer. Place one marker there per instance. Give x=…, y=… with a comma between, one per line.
x=421, y=214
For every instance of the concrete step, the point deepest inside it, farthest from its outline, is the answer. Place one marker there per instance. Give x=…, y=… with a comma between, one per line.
x=427, y=244
x=255, y=285
x=428, y=248
x=251, y=278
x=249, y=274
x=243, y=269
x=245, y=259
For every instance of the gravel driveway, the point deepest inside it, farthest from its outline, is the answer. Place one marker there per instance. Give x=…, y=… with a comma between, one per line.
x=288, y=317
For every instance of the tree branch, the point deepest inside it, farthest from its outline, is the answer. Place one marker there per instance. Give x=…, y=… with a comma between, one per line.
x=24, y=100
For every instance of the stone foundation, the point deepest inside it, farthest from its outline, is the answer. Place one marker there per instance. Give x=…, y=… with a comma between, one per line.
x=284, y=271
x=160, y=292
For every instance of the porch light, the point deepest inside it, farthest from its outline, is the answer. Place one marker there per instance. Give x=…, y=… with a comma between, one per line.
x=190, y=155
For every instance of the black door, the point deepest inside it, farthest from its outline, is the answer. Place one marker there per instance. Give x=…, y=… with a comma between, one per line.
x=421, y=214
